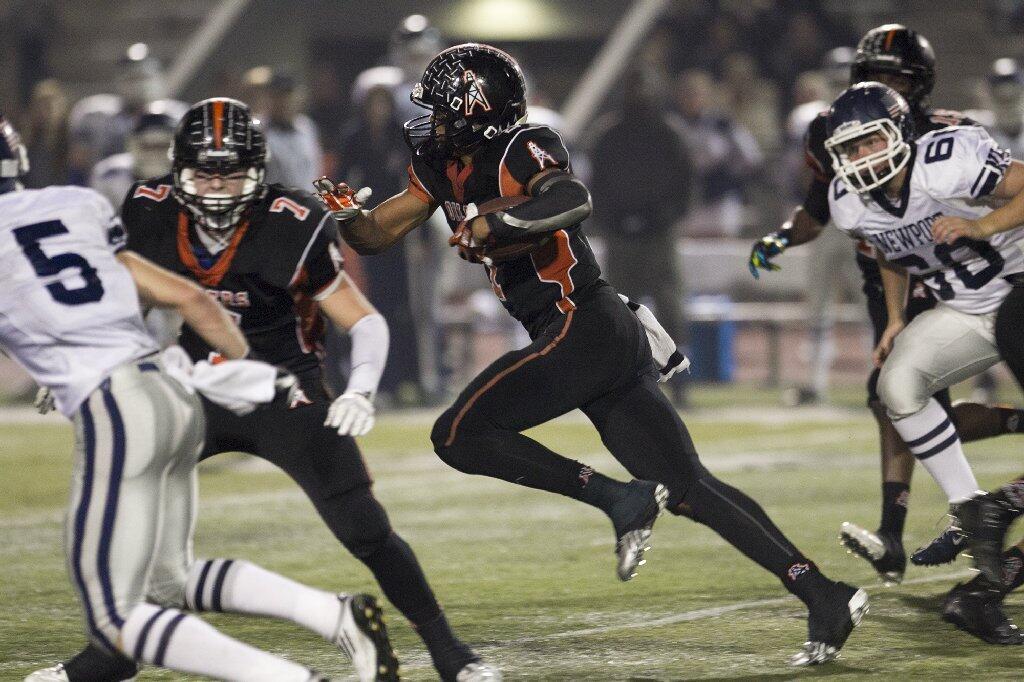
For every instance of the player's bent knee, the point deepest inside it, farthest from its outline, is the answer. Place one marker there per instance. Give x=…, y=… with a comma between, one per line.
x=169, y=593
x=902, y=391
x=359, y=522
x=439, y=435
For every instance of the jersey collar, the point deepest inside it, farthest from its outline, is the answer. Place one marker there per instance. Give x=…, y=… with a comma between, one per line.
x=215, y=274
x=882, y=200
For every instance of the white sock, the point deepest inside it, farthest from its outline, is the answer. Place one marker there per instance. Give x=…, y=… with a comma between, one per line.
x=171, y=639
x=241, y=587
x=933, y=440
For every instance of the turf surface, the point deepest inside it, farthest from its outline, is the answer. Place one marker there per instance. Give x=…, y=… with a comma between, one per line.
x=528, y=577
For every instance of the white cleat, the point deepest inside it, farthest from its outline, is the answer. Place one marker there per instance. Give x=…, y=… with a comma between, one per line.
x=478, y=672
x=362, y=636
x=54, y=674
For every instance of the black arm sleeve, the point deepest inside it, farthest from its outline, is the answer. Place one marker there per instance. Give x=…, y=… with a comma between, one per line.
x=816, y=201
x=559, y=201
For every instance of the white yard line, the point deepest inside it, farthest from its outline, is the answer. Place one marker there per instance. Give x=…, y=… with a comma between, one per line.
x=716, y=611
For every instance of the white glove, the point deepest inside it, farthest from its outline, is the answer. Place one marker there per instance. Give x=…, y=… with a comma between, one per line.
x=44, y=401
x=663, y=347
x=352, y=414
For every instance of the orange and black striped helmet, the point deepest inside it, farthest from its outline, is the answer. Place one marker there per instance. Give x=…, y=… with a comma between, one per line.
x=218, y=136
x=894, y=48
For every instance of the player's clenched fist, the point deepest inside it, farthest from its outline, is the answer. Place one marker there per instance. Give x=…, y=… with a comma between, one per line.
x=342, y=201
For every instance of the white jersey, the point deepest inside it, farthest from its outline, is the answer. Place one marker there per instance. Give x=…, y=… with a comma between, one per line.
x=951, y=172
x=69, y=311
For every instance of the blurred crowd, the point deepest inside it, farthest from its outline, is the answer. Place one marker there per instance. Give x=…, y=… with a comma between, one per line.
x=717, y=110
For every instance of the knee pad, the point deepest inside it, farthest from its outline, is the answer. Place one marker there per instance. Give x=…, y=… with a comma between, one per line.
x=902, y=391
x=359, y=521
x=168, y=591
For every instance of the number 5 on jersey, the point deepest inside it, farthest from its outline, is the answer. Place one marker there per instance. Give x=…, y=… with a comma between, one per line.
x=48, y=266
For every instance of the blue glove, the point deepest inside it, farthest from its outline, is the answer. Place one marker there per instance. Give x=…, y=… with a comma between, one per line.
x=764, y=250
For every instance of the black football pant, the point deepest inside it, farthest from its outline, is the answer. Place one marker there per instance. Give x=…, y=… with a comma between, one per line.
x=1010, y=330
x=596, y=358
x=330, y=470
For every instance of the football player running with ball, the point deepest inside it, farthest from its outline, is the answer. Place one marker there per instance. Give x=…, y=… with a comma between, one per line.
x=589, y=350
x=891, y=190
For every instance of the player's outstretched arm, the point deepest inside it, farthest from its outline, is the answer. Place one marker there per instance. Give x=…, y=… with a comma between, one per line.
x=895, y=282
x=950, y=228
x=801, y=228
x=164, y=289
x=371, y=232
x=352, y=413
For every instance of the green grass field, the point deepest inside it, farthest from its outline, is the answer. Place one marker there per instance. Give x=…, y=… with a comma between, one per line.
x=528, y=577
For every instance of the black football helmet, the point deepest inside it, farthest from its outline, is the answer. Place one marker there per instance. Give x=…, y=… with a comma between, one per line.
x=894, y=48
x=13, y=157
x=474, y=92
x=218, y=136
x=862, y=110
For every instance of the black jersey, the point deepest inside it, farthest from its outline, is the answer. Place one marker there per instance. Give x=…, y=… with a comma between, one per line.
x=280, y=261
x=535, y=287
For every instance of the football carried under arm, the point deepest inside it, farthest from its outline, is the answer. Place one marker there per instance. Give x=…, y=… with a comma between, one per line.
x=557, y=200
x=164, y=289
x=371, y=232
x=352, y=413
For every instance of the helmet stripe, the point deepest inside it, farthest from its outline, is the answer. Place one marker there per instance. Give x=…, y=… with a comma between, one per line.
x=218, y=123
x=888, y=39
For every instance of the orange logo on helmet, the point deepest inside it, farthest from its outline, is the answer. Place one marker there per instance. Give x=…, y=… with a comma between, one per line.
x=474, y=93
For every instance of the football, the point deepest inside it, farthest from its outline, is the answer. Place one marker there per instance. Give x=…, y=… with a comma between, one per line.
x=507, y=252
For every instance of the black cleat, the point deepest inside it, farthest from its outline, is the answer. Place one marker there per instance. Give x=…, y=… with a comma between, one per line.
x=883, y=551
x=829, y=624
x=978, y=612
x=941, y=550
x=985, y=520
x=633, y=519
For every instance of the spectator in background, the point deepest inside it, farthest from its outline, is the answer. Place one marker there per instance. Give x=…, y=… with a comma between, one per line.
x=800, y=51
x=726, y=156
x=146, y=156
x=99, y=125
x=413, y=43
x=294, y=155
x=752, y=100
x=642, y=177
x=327, y=108
x=832, y=276
x=44, y=129
x=1005, y=95
x=372, y=155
